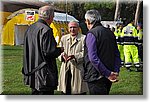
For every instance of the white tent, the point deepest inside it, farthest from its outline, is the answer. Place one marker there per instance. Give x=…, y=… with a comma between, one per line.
x=64, y=17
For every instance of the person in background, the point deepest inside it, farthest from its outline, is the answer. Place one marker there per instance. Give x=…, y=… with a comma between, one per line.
x=112, y=29
x=70, y=80
x=140, y=42
x=130, y=39
x=40, y=53
x=108, y=26
x=101, y=56
x=118, y=31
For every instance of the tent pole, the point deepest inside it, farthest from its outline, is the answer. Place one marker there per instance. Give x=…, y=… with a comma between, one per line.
x=66, y=10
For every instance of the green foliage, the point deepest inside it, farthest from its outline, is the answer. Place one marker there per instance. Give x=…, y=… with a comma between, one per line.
x=106, y=9
x=130, y=83
x=98, y=5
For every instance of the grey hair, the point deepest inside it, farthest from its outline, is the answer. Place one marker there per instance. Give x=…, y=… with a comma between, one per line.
x=45, y=12
x=93, y=16
x=74, y=22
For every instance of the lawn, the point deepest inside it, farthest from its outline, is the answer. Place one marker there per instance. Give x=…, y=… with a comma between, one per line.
x=130, y=83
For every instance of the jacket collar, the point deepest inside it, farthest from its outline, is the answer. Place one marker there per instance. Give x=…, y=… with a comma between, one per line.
x=43, y=21
x=97, y=24
x=77, y=39
x=130, y=24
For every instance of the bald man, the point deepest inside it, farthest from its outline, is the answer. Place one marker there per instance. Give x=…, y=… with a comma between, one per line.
x=70, y=81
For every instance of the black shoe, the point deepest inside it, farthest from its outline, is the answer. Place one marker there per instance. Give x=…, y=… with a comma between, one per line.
x=136, y=69
x=129, y=70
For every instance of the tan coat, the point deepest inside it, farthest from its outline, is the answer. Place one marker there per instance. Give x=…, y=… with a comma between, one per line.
x=77, y=49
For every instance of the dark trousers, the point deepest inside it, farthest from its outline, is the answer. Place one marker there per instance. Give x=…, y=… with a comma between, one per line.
x=140, y=52
x=36, y=92
x=100, y=87
x=68, y=86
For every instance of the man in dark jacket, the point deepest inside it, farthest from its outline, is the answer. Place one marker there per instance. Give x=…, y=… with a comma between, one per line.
x=101, y=55
x=40, y=53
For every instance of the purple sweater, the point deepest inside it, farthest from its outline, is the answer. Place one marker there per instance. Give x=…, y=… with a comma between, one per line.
x=95, y=60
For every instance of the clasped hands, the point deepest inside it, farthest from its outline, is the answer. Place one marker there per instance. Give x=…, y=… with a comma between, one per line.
x=67, y=58
x=113, y=77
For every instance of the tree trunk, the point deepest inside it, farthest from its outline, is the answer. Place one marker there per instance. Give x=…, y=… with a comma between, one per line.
x=118, y=10
x=137, y=14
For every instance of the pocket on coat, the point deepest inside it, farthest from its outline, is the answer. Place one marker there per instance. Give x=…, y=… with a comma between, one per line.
x=45, y=78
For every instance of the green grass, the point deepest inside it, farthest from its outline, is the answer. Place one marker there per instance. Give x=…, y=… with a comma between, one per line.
x=130, y=83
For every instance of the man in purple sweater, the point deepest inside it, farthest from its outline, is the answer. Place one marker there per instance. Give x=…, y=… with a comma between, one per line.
x=101, y=56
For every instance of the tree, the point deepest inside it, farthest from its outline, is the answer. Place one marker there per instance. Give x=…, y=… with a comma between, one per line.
x=118, y=10
x=137, y=14
x=106, y=8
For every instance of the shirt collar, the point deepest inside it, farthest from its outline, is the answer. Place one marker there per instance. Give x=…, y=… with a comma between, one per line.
x=77, y=37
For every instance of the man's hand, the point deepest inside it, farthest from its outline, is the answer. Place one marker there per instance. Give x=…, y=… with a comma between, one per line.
x=70, y=57
x=113, y=77
x=65, y=57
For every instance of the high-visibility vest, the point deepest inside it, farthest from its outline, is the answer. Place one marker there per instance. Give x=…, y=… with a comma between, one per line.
x=140, y=36
x=118, y=35
x=129, y=35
